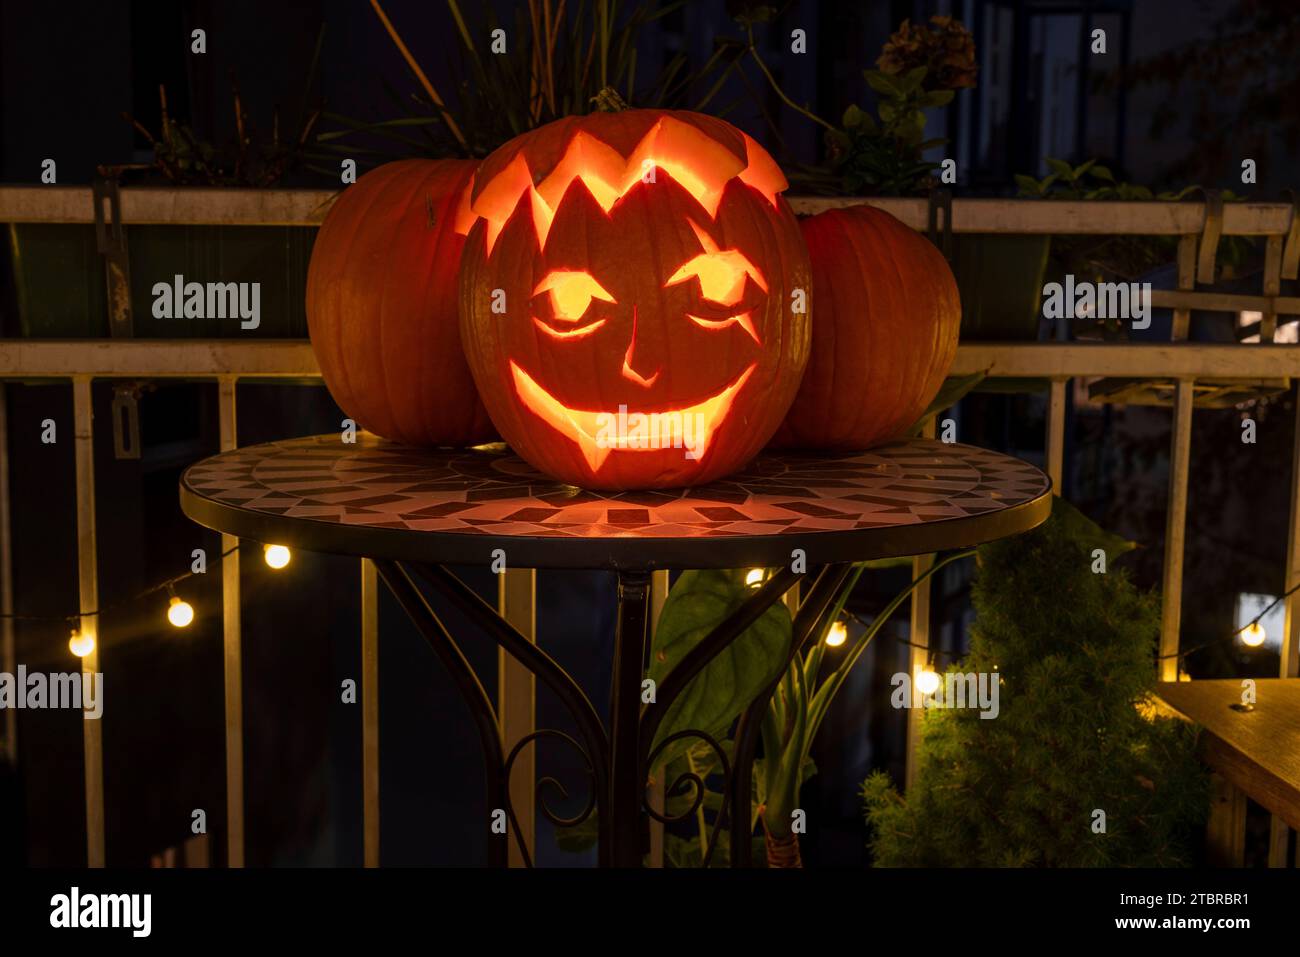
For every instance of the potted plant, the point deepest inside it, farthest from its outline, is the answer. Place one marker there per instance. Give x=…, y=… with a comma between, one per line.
x=884, y=153
x=1118, y=258
x=58, y=274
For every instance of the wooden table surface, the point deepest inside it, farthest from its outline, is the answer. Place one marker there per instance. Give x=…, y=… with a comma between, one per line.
x=1257, y=751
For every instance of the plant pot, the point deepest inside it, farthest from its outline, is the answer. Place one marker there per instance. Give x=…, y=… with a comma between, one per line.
x=59, y=290
x=57, y=282
x=1001, y=283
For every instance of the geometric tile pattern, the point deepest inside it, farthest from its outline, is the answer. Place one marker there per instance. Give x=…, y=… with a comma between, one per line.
x=489, y=490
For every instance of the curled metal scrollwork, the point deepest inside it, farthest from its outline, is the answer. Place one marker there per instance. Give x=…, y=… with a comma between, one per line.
x=548, y=782
x=688, y=782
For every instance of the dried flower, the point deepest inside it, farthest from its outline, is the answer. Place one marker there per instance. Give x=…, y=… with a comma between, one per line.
x=944, y=47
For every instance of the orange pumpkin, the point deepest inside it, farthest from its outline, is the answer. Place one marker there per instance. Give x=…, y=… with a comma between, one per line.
x=381, y=304
x=634, y=298
x=884, y=332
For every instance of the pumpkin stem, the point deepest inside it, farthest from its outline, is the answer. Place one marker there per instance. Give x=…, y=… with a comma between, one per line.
x=608, y=101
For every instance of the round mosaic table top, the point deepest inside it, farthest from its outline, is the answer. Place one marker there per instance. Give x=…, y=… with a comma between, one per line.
x=378, y=499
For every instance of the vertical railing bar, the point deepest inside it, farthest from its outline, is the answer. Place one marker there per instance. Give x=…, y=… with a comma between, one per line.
x=1186, y=282
x=1176, y=529
x=658, y=595
x=232, y=653
x=1056, y=434
x=1279, y=835
x=919, y=636
x=1290, y=652
x=370, y=712
x=517, y=703
x=1272, y=286
x=1179, y=470
x=919, y=657
x=88, y=579
x=8, y=646
x=1289, y=667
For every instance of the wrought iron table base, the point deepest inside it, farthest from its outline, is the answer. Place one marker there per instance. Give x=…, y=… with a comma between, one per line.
x=618, y=761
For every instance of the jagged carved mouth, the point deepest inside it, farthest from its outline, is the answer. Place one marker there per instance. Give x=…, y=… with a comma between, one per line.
x=600, y=432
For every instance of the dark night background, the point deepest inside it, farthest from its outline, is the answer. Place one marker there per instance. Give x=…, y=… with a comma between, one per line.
x=70, y=69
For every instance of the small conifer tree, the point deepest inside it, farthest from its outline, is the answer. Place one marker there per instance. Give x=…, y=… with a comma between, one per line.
x=1073, y=771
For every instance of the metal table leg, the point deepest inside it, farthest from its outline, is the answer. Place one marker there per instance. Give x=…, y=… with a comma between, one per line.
x=627, y=771
x=618, y=763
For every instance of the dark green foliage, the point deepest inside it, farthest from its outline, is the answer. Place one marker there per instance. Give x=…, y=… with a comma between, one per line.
x=698, y=602
x=1075, y=651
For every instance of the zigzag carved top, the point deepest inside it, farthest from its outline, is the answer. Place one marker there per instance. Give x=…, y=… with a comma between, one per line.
x=610, y=153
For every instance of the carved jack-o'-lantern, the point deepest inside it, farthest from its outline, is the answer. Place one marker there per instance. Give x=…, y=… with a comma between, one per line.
x=634, y=298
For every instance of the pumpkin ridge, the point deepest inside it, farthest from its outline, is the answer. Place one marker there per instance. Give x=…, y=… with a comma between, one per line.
x=408, y=418
x=440, y=365
x=885, y=323
x=828, y=381
x=343, y=257
x=382, y=332
x=405, y=383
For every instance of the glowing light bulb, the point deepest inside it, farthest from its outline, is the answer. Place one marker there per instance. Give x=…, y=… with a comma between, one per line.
x=81, y=644
x=754, y=577
x=838, y=634
x=277, y=556
x=1253, y=635
x=180, y=612
x=927, y=681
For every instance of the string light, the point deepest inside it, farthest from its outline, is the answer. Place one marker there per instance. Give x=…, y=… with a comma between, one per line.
x=838, y=634
x=81, y=644
x=927, y=680
x=1253, y=635
x=180, y=612
x=754, y=577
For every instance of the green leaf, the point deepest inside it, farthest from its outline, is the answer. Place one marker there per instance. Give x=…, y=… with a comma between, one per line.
x=1103, y=173
x=696, y=604
x=1060, y=168
x=911, y=81
x=580, y=838
x=953, y=388
x=882, y=83
x=1029, y=186
x=880, y=564
x=1082, y=169
x=1080, y=528
x=935, y=98
x=837, y=141
x=853, y=116
x=807, y=768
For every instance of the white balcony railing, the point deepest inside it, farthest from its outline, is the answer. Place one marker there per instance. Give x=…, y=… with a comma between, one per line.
x=1198, y=226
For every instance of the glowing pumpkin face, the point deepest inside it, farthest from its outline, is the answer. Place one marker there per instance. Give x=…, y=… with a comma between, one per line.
x=634, y=298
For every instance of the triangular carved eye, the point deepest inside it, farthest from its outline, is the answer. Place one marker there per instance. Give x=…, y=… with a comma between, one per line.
x=571, y=293
x=721, y=272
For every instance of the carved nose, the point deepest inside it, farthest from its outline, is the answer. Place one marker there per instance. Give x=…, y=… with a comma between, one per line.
x=636, y=366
